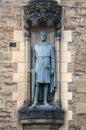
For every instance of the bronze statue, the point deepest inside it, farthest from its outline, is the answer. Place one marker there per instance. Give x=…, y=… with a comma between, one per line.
x=43, y=64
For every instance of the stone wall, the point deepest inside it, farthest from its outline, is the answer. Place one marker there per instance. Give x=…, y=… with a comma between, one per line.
x=10, y=20
x=74, y=19
x=14, y=63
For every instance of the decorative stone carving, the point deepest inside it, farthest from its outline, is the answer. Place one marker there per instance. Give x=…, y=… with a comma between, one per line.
x=36, y=11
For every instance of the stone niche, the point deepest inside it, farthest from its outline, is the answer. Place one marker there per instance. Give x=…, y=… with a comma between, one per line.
x=42, y=15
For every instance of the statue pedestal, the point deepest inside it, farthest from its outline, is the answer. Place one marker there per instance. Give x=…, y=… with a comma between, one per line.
x=44, y=115
x=42, y=112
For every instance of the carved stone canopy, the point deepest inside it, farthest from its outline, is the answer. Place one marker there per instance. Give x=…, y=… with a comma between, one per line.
x=42, y=10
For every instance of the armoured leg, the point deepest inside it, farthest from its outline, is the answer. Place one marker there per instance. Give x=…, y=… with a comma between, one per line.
x=45, y=94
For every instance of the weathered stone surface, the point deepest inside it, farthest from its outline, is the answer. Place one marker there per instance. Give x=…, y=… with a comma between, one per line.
x=72, y=87
x=70, y=11
x=81, y=87
x=79, y=67
x=5, y=95
x=81, y=55
x=81, y=119
x=80, y=59
x=6, y=76
x=81, y=97
x=82, y=12
x=74, y=127
x=5, y=56
x=0, y=1
x=9, y=87
x=83, y=127
x=10, y=105
x=81, y=108
x=11, y=67
x=10, y=19
x=7, y=34
x=9, y=1
x=2, y=104
x=66, y=36
x=75, y=20
x=73, y=3
x=0, y=88
x=4, y=46
x=8, y=126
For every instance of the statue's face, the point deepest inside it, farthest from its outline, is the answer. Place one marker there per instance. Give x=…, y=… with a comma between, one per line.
x=43, y=36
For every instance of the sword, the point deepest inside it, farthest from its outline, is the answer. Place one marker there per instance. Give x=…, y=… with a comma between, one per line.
x=32, y=71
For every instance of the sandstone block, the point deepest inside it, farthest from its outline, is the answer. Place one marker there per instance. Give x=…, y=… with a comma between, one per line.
x=69, y=26
x=65, y=126
x=21, y=67
x=21, y=77
x=5, y=96
x=83, y=127
x=9, y=1
x=9, y=87
x=21, y=56
x=66, y=77
x=5, y=66
x=81, y=87
x=65, y=56
x=2, y=104
x=15, y=96
x=19, y=35
x=80, y=55
x=63, y=46
x=64, y=87
x=22, y=96
x=3, y=117
x=62, y=66
x=69, y=115
x=6, y=76
x=81, y=108
x=5, y=56
x=70, y=12
x=66, y=96
x=4, y=46
x=67, y=2
x=66, y=36
x=65, y=105
x=79, y=66
x=10, y=105
x=80, y=97
x=22, y=87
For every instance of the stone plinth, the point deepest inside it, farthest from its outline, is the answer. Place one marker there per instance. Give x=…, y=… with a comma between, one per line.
x=48, y=115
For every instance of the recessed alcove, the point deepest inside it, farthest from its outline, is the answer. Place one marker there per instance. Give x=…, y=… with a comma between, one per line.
x=48, y=18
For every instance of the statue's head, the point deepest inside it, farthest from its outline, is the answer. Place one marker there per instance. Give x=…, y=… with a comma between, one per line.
x=43, y=35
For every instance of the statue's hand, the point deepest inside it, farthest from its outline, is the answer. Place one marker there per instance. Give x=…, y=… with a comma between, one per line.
x=32, y=70
x=52, y=72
